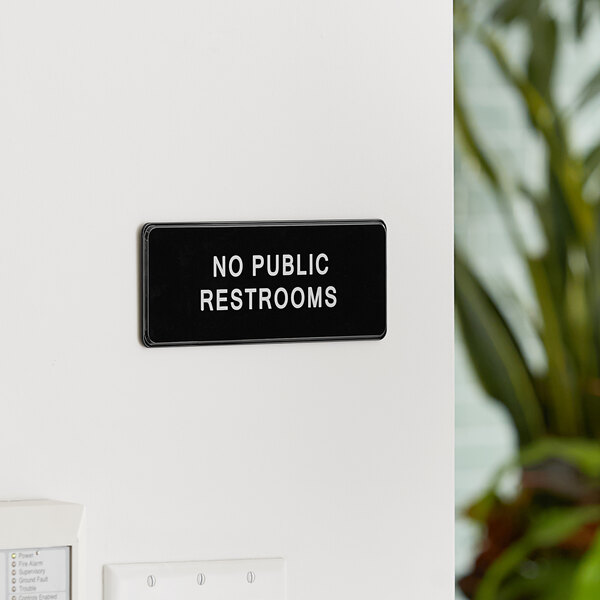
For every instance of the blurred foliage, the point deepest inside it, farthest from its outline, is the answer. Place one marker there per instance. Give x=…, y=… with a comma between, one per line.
x=544, y=542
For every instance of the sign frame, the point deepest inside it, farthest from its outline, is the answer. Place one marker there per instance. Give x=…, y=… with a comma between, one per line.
x=147, y=228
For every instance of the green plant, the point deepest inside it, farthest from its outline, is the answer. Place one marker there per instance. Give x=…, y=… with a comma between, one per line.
x=543, y=543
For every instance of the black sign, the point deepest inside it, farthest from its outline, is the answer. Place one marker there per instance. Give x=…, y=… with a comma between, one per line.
x=209, y=283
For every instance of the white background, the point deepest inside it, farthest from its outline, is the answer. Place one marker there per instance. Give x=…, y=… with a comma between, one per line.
x=336, y=456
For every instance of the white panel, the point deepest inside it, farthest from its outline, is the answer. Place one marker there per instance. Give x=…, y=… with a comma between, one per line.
x=39, y=523
x=36, y=573
x=41, y=544
x=208, y=580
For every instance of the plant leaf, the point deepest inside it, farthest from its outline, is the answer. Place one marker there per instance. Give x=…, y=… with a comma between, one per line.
x=540, y=67
x=480, y=509
x=593, y=303
x=592, y=160
x=548, y=529
x=590, y=90
x=553, y=580
x=582, y=454
x=567, y=169
x=469, y=138
x=512, y=10
x=555, y=525
x=495, y=354
x=565, y=407
x=587, y=578
x=580, y=18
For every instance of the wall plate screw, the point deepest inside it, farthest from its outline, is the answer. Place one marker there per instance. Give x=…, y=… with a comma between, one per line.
x=201, y=579
x=151, y=581
x=251, y=577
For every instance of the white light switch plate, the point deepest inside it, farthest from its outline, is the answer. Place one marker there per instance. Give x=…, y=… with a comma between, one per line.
x=208, y=580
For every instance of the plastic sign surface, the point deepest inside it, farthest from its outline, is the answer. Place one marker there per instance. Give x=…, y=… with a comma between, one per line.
x=210, y=283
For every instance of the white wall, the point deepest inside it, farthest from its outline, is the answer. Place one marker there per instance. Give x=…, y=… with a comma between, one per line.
x=337, y=456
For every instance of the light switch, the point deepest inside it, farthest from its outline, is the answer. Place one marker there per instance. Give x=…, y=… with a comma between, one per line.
x=262, y=579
